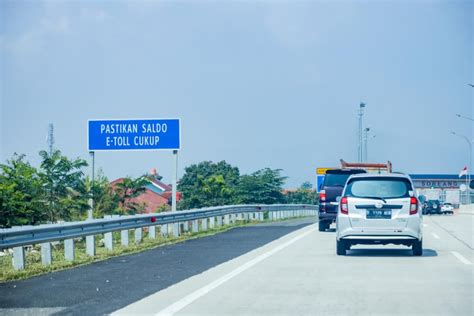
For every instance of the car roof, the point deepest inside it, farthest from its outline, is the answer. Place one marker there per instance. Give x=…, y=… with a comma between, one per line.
x=381, y=175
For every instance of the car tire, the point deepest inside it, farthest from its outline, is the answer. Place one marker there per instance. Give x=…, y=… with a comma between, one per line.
x=323, y=225
x=417, y=248
x=341, y=247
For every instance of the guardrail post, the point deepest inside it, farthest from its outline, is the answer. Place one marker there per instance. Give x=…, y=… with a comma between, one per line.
x=195, y=226
x=46, y=254
x=90, y=245
x=152, y=232
x=219, y=220
x=164, y=230
x=138, y=235
x=212, y=222
x=226, y=219
x=69, y=251
x=260, y=215
x=175, y=230
x=108, y=241
x=124, y=237
x=186, y=226
x=19, y=258
x=204, y=224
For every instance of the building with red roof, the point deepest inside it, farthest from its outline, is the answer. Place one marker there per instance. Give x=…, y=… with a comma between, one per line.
x=156, y=194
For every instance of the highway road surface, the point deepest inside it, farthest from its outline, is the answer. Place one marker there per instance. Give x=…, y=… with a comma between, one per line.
x=283, y=268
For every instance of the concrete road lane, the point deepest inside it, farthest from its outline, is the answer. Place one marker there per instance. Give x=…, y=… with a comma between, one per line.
x=300, y=274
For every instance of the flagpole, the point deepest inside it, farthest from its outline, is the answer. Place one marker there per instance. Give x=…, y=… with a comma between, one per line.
x=468, y=176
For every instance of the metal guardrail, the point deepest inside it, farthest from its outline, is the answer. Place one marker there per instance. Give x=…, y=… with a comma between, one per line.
x=19, y=237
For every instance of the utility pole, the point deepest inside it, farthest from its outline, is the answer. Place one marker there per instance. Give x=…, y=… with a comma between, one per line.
x=50, y=138
x=361, y=114
x=366, y=138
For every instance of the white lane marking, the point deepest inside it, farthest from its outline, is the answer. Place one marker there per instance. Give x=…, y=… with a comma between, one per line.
x=185, y=301
x=435, y=236
x=461, y=257
x=425, y=225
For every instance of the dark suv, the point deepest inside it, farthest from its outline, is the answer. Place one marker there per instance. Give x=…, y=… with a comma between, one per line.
x=432, y=207
x=334, y=182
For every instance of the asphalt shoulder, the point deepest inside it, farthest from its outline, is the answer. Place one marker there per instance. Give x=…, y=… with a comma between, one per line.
x=108, y=285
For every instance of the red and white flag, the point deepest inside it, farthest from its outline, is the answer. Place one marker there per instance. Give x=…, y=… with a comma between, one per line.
x=463, y=172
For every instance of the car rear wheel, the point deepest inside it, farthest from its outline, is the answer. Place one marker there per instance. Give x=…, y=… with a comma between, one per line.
x=417, y=247
x=341, y=247
x=323, y=225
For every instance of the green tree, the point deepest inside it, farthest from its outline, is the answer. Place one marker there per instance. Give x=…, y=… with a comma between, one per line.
x=63, y=180
x=21, y=194
x=103, y=195
x=261, y=187
x=126, y=191
x=303, y=195
x=208, y=184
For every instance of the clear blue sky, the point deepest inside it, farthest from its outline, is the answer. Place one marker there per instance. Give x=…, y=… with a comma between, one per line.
x=267, y=84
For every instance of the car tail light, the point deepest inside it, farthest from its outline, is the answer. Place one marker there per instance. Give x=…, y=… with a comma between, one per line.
x=344, y=206
x=322, y=195
x=413, y=205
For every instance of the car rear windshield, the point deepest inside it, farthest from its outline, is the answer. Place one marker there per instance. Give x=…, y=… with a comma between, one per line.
x=386, y=188
x=338, y=178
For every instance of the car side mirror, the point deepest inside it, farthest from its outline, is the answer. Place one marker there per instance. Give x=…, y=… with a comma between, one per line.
x=338, y=198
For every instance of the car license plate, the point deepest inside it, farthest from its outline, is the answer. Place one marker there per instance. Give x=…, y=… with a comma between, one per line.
x=379, y=214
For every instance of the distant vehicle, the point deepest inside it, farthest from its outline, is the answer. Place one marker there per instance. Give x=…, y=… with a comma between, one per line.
x=433, y=207
x=333, y=184
x=447, y=208
x=332, y=187
x=424, y=208
x=379, y=209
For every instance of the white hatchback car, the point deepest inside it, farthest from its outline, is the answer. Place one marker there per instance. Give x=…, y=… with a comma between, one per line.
x=379, y=209
x=447, y=208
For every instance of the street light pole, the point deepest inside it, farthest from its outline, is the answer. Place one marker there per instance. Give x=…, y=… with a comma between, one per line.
x=366, y=148
x=465, y=117
x=468, y=177
x=361, y=113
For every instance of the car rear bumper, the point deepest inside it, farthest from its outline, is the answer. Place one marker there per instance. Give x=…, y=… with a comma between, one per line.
x=327, y=211
x=412, y=230
x=380, y=240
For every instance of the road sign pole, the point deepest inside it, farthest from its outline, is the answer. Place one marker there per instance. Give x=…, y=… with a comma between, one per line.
x=174, y=180
x=91, y=200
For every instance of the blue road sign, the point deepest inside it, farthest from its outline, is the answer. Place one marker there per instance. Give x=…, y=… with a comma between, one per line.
x=320, y=180
x=146, y=134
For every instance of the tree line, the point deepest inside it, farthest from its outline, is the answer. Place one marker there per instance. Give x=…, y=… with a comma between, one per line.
x=59, y=190
x=213, y=184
